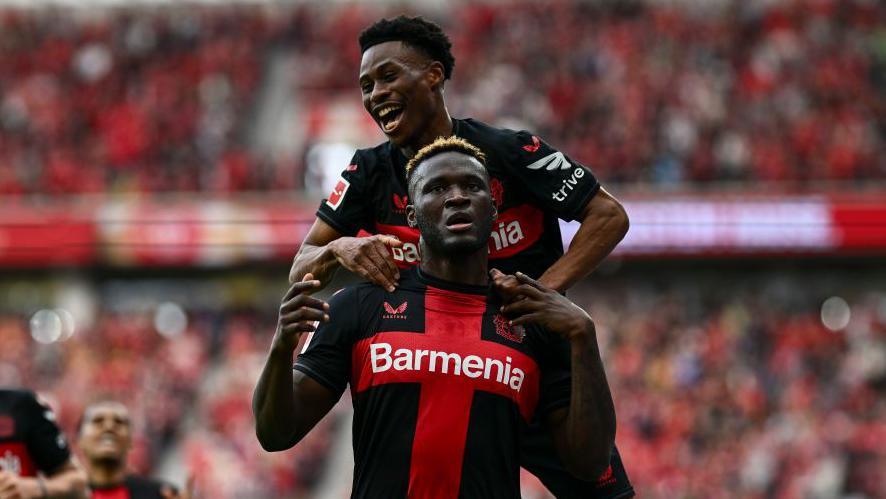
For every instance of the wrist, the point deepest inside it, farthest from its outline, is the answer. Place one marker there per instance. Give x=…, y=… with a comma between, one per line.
x=584, y=334
x=281, y=348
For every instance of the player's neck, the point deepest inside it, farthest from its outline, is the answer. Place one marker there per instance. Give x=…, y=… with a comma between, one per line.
x=440, y=126
x=106, y=474
x=471, y=269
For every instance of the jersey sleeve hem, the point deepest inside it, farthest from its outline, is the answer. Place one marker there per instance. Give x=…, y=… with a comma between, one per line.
x=583, y=202
x=337, y=225
x=303, y=366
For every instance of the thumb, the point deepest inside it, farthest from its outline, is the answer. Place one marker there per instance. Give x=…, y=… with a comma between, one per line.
x=391, y=241
x=495, y=274
x=308, y=277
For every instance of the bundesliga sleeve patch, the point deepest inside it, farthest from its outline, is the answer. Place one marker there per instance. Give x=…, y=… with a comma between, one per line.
x=338, y=194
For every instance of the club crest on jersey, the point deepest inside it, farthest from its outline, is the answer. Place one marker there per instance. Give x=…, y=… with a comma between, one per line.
x=7, y=426
x=551, y=162
x=534, y=146
x=498, y=192
x=395, y=313
x=400, y=203
x=508, y=331
x=338, y=193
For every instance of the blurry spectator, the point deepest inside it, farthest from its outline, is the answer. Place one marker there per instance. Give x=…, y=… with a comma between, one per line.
x=104, y=438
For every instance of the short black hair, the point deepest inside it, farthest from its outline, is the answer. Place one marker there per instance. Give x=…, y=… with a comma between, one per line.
x=418, y=33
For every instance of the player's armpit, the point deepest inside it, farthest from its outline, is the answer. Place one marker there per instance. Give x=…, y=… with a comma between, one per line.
x=313, y=256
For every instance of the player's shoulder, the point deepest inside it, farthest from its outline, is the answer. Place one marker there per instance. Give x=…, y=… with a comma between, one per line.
x=19, y=398
x=370, y=158
x=480, y=131
x=367, y=293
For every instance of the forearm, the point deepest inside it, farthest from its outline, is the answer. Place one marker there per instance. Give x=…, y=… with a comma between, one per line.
x=274, y=404
x=603, y=226
x=317, y=260
x=588, y=433
x=67, y=484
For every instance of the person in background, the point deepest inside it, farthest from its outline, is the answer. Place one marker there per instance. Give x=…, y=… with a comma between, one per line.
x=104, y=439
x=35, y=460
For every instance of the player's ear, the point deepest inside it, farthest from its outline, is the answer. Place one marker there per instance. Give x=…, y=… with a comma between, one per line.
x=410, y=216
x=435, y=75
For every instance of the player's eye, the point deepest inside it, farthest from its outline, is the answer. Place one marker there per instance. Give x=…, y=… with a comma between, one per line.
x=390, y=76
x=366, y=87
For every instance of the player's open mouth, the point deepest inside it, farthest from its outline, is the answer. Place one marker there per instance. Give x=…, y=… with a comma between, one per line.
x=459, y=222
x=388, y=117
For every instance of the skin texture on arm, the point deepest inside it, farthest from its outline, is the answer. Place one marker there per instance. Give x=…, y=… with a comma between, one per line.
x=286, y=403
x=68, y=482
x=604, y=224
x=324, y=250
x=583, y=433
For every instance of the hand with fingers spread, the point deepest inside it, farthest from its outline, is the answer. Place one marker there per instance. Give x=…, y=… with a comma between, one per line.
x=533, y=303
x=369, y=257
x=298, y=314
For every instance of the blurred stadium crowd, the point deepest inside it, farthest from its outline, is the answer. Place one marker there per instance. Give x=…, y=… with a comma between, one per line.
x=738, y=391
x=649, y=93
x=727, y=384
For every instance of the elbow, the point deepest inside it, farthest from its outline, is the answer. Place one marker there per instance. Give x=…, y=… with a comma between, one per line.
x=272, y=443
x=618, y=218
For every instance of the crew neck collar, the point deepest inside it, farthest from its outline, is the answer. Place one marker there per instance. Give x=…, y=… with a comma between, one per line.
x=474, y=289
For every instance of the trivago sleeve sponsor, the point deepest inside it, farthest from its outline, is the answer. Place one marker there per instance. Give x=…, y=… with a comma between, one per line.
x=557, y=182
x=347, y=208
x=327, y=355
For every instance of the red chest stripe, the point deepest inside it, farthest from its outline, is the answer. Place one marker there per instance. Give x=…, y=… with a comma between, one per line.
x=451, y=361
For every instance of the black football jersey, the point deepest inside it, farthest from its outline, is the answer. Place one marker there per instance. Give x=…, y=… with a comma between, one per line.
x=133, y=487
x=442, y=386
x=532, y=183
x=30, y=440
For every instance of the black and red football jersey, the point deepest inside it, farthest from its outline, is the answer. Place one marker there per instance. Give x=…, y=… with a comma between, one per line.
x=532, y=183
x=133, y=487
x=442, y=386
x=30, y=440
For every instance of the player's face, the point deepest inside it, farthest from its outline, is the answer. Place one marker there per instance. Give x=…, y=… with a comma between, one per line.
x=105, y=433
x=452, y=204
x=397, y=83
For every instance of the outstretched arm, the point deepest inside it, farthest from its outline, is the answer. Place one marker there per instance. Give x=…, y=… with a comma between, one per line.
x=604, y=223
x=69, y=481
x=584, y=433
x=325, y=249
x=287, y=403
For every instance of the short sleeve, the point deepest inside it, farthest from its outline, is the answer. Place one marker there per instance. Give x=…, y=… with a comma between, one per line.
x=558, y=183
x=45, y=442
x=327, y=356
x=347, y=208
x=556, y=374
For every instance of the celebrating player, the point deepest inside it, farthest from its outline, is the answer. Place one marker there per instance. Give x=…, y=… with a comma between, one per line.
x=105, y=438
x=443, y=384
x=406, y=62
x=35, y=460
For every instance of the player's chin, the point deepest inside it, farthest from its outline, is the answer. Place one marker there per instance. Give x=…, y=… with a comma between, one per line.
x=463, y=243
